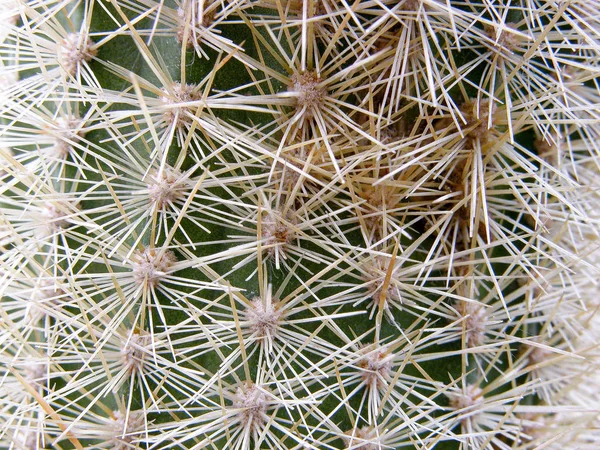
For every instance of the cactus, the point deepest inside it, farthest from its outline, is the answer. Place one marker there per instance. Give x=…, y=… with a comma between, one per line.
x=299, y=224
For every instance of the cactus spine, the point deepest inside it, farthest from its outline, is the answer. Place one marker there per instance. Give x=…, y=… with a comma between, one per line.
x=299, y=224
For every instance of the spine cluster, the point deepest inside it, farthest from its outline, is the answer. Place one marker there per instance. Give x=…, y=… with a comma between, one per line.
x=299, y=224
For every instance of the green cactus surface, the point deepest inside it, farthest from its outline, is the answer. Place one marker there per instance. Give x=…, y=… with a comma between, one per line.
x=300, y=224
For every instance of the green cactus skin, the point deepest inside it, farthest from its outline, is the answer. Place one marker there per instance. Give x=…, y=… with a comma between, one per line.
x=299, y=224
